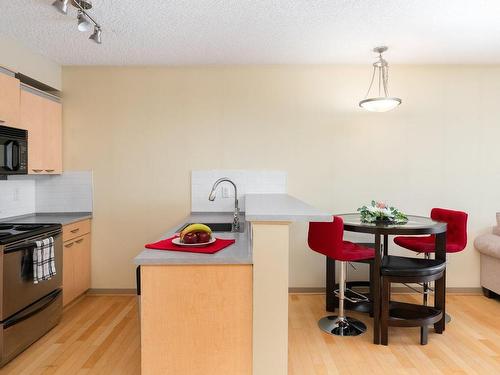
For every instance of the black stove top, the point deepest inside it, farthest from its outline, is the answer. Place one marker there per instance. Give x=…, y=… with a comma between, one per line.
x=14, y=232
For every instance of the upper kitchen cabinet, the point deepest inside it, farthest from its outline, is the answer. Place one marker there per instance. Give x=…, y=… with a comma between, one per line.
x=9, y=99
x=41, y=115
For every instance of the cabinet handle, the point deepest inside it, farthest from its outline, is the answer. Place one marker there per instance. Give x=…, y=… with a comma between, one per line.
x=2, y=121
x=69, y=244
x=37, y=170
x=75, y=230
x=49, y=170
x=80, y=240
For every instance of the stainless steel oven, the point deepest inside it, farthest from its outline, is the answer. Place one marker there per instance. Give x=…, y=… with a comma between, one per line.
x=28, y=310
x=13, y=151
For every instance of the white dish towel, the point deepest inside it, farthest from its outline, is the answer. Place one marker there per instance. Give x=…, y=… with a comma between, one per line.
x=44, y=264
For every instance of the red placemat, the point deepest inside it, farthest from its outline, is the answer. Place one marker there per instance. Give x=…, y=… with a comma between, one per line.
x=167, y=244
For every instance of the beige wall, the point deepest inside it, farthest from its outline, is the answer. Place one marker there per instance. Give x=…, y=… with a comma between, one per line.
x=142, y=130
x=20, y=59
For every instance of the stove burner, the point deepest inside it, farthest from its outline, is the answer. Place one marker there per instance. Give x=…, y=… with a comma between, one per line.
x=6, y=226
x=26, y=227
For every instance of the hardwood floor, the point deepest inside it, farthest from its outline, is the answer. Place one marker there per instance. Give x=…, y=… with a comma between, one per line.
x=97, y=335
x=100, y=335
x=470, y=344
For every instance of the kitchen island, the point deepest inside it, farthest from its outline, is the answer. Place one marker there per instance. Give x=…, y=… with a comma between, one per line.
x=225, y=313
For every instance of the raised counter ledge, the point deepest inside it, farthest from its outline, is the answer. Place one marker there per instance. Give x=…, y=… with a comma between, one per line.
x=281, y=207
x=238, y=253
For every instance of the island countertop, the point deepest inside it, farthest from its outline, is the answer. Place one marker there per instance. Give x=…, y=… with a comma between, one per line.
x=259, y=208
x=238, y=253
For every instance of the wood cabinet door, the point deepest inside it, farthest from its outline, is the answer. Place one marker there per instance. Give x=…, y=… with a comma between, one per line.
x=69, y=290
x=42, y=117
x=82, y=264
x=32, y=119
x=9, y=101
x=52, y=134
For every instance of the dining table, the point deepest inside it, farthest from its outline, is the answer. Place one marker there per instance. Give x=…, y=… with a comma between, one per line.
x=415, y=226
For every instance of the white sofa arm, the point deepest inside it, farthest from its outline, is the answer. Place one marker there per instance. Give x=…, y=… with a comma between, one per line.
x=488, y=244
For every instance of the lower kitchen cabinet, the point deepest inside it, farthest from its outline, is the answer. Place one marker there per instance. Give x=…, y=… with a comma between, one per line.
x=76, y=261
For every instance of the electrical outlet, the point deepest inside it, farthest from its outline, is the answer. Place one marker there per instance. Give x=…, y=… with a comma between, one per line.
x=15, y=197
x=225, y=191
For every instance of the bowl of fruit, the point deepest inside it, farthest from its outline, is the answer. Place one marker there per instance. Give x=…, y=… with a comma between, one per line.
x=194, y=235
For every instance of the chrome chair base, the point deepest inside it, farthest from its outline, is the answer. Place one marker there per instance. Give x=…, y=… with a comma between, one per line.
x=343, y=326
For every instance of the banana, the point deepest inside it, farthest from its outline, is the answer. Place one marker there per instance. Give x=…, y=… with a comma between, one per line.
x=195, y=228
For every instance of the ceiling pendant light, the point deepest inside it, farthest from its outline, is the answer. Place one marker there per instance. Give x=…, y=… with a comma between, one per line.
x=61, y=6
x=383, y=102
x=96, y=35
x=83, y=22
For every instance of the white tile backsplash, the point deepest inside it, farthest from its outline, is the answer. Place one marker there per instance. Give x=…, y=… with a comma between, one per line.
x=17, y=198
x=68, y=192
x=247, y=181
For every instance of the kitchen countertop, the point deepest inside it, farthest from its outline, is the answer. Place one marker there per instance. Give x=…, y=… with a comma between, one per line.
x=259, y=207
x=48, y=218
x=238, y=253
x=281, y=207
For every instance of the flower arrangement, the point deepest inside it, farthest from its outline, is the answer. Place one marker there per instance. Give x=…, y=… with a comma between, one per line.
x=379, y=212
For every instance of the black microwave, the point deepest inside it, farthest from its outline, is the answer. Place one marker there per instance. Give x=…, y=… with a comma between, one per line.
x=13, y=151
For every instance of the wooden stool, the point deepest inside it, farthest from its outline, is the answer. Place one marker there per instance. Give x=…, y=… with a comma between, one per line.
x=396, y=269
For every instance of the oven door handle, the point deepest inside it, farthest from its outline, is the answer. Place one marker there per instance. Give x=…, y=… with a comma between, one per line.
x=32, y=310
x=24, y=246
x=30, y=244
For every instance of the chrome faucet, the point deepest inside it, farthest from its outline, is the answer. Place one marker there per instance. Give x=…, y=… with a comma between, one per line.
x=236, y=219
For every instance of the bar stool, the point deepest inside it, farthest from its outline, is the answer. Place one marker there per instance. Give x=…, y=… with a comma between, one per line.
x=327, y=239
x=456, y=238
x=396, y=269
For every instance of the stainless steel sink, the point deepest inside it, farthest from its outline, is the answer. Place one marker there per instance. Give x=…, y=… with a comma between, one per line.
x=217, y=227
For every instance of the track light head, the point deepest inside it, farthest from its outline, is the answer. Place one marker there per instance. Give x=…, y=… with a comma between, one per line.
x=61, y=6
x=83, y=22
x=96, y=35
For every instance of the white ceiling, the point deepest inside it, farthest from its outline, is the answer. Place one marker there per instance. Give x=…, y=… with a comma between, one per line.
x=140, y=32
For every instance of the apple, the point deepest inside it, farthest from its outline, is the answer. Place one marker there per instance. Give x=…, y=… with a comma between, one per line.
x=190, y=238
x=203, y=237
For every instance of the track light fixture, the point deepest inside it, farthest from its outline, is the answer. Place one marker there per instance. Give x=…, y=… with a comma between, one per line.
x=96, y=35
x=61, y=6
x=84, y=19
x=83, y=22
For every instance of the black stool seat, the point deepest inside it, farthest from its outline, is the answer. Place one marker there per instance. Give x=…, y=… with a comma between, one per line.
x=393, y=265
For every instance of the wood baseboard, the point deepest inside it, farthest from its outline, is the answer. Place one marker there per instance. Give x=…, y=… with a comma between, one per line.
x=398, y=289
x=116, y=291
x=305, y=290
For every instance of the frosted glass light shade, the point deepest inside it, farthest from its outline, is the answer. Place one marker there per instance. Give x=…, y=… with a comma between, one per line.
x=382, y=104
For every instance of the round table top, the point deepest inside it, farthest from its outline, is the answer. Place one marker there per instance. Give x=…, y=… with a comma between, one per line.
x=416, y=225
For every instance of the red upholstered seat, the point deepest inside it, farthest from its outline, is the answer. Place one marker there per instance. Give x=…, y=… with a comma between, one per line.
x=456, y=233
x=327, y=239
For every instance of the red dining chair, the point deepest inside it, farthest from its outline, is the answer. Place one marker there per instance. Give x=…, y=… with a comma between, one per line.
x=456, y=236
x=328, y=239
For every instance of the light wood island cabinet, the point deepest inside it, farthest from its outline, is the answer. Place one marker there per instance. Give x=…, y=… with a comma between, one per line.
x=196, y=319
x=76, y=260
